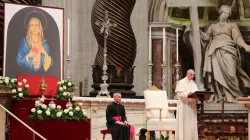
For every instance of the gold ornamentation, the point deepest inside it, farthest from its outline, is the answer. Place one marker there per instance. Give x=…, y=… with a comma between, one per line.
x=42, y=85
x=67, y=59
x=103, y=96
x=118, y=69
x=94, y=109
x=153, y=88
x=5, y=89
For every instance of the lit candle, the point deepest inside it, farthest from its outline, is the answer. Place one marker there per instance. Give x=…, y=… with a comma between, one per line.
x=68, y=37
x=163, y=45
x=149, y=46
x=177, y=46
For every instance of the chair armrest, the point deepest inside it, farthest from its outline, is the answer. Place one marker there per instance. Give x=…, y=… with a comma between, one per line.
x=172, y=108
x=154, y=108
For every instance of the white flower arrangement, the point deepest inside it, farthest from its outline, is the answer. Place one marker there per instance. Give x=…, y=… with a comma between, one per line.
x=7, y=82
x=20, y=91
x=65, y=88
x=42, y=111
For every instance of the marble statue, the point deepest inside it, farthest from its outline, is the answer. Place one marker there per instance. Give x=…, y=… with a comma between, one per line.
x=221, y=69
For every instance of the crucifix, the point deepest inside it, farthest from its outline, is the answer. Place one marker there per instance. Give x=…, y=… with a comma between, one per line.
x=194, y=4
x=105, y=25
x=105, y=29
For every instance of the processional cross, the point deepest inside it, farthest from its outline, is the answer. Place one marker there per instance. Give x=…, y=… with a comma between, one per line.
x=105, y=29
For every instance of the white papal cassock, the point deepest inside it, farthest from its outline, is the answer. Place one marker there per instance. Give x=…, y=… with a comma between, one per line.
x=186, y=113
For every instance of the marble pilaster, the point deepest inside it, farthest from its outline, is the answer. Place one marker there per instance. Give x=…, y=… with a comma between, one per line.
x=157, y=61
x=5, y=101
x=2, y=123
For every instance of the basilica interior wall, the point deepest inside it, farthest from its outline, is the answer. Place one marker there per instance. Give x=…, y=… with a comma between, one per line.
x=83, y=45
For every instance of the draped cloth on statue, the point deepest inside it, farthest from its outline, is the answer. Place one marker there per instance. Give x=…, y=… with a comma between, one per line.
x=186, y=113
x=222, y=62
x=117, y=111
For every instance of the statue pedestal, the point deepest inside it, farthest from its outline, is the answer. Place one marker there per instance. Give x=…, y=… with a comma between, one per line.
x=120, y=79
x=5, y=100
x=246, y=101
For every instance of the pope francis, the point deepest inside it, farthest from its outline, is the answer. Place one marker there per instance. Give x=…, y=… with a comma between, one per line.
x=186, y=113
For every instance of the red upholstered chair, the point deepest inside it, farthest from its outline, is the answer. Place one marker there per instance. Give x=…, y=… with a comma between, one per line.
x=34, y=81
x=104, y=132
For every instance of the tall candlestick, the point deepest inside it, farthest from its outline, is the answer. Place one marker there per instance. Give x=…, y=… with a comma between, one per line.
x=68, y=37
x=177, y=46
x=163, y=45
x=149, y=46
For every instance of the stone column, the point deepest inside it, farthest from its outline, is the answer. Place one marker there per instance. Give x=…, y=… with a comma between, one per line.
x=120, y=44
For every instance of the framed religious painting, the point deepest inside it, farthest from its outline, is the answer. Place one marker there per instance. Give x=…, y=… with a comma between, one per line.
x=33, y=40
